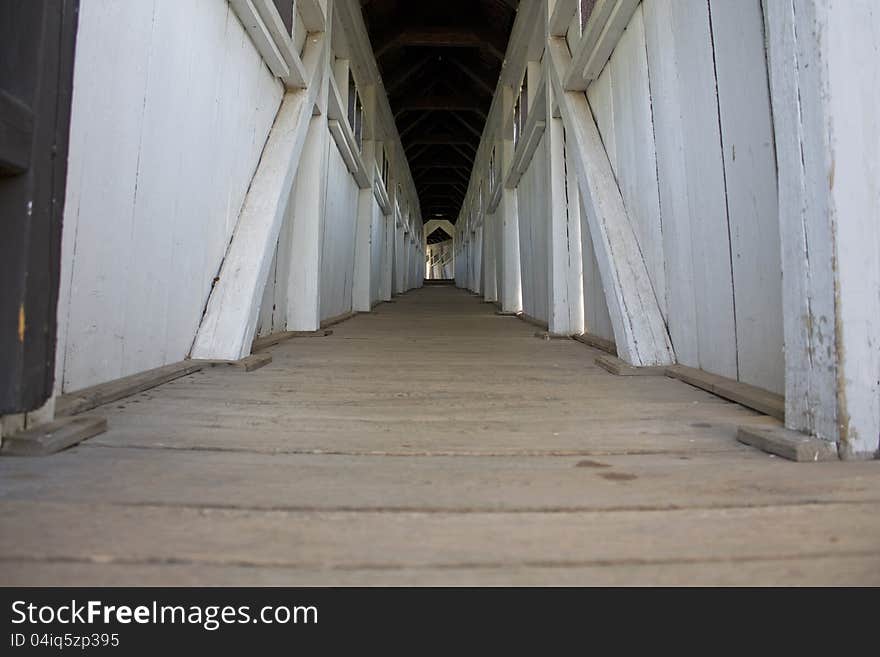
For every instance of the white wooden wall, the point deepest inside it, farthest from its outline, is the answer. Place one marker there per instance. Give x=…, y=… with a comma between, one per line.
x=534, y=226
x=597, y=321
x=682, y=155
x=340, y=220
x=684, y=112
x=377, y=252
x=172, y=105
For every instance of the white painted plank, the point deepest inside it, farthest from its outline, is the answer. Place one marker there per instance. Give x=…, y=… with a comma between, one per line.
x=854, y=74
x=228, y=326
x=314, y=14
x=338, y=243
x=607, y=22
x=565, y=291
x=265, y=324
x=115, y=42
x=597, y=320
x=363, y=272
x=377, y=250
x=180, y=213
x=308, y=203
x=145, y=308
x=636, y=165
x=712, y=278
x=490, y=269
x=261, y=36
x=561, y=16
x=575, y=259
x=666, y=101
x=388, y=258
x=639, y=329
x=532, y=204
x=602, y=105
x=750, y=174
x=296, y=77
x=824, y=73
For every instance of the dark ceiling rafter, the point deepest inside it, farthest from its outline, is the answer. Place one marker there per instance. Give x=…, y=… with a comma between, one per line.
x=440, y=37
x=443, y=139
x=468, y=126
x=468, y=156
x=398, y=78
x=415, y=123
x=441, y=155
x=446, y=103
x=472, y=75
x=440, y=61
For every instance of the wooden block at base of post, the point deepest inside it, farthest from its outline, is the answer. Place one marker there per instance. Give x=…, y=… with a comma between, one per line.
x=619, y=367
x=788, y=444
x=332, y=321
x=596, y=342
x=52, y=437
x=246, y=364
x=546, y=335
x=275, y=338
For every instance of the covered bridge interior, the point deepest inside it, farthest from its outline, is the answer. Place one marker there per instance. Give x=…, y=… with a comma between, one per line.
x=440, y=292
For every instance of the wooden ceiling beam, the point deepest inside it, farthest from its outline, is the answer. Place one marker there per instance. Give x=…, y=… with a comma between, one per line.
x=469, y=157
x=438, y=104
x=443, y=159
x=425, y=166
x=467, y=125
x=441, y=140
x=396, y=79
x=436, y=179
x=472, y=75
x=441, y=37
x=419, y=119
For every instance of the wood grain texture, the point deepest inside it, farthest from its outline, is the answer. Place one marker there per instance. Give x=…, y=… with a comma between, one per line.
x=550, y=471
x=666, y=102
x=339, y=238
x=534, y=232
x=230, y=320
x=821, y=57
x=750, y=181
x=635, y=163
x=639, y=330
x=712, y=282
x=144, y=236
x=52, y=437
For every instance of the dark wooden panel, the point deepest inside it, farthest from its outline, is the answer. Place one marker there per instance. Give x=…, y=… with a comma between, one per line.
x=16, y=135
x=37, y=40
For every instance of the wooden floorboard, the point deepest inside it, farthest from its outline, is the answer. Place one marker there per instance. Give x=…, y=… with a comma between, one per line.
x=432, y=442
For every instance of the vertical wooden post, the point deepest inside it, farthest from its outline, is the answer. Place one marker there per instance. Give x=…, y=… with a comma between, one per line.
x=564, y=253
x=307, y=230
x=575, y=272
x=490, y=284
x=308, y=205
x=477, y=265
x=825, y=88
x=511, y=280
x=387, y=254
x=362, y=277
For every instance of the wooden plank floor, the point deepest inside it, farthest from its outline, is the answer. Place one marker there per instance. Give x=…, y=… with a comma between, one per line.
x=432, y=442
